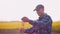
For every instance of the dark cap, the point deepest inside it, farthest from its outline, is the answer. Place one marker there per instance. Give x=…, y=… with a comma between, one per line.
x=38, y=7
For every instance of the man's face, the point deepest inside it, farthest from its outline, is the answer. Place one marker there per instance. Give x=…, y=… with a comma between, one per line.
x=40, y=12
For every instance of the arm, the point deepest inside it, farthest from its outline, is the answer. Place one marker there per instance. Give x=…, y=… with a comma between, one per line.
x=44, y=21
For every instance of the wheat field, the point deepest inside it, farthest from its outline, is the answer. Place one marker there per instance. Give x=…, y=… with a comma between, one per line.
x=56, y=26
x=18, y=25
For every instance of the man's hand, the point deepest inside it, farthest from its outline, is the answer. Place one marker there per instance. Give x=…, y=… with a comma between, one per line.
x=22, y=30
x=25, y=19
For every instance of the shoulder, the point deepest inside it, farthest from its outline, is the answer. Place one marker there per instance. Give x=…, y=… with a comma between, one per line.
x=47, y=16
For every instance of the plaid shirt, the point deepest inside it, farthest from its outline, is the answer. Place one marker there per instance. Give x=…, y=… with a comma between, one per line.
x=41, y=26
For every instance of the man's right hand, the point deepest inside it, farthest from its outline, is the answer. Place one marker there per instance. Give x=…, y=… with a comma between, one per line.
x=25, y=19
x=22, y=30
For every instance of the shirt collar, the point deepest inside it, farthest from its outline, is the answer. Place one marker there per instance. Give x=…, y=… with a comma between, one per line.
x=43, y=16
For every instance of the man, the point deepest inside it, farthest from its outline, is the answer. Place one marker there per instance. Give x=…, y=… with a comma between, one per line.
x=43, y=25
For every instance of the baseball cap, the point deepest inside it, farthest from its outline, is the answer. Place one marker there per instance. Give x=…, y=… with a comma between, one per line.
x=38, y=7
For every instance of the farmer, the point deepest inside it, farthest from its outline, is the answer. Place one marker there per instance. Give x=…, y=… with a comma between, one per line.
x=43, y=25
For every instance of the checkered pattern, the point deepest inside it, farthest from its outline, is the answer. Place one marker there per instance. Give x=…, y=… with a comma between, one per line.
x=41, y=26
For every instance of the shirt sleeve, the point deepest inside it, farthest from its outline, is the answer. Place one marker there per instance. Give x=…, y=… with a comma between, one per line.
x=45, y=21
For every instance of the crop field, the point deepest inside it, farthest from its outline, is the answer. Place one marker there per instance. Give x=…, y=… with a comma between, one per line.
x=56, y=26
x=18, y=25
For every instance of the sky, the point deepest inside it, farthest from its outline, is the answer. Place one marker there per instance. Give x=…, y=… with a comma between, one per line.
x=14, y=10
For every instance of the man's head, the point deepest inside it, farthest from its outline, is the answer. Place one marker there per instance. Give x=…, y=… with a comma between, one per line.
x=40, y=10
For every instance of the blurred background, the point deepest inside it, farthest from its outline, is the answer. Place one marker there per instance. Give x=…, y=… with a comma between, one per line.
x=14, y=10
x=11, y=12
